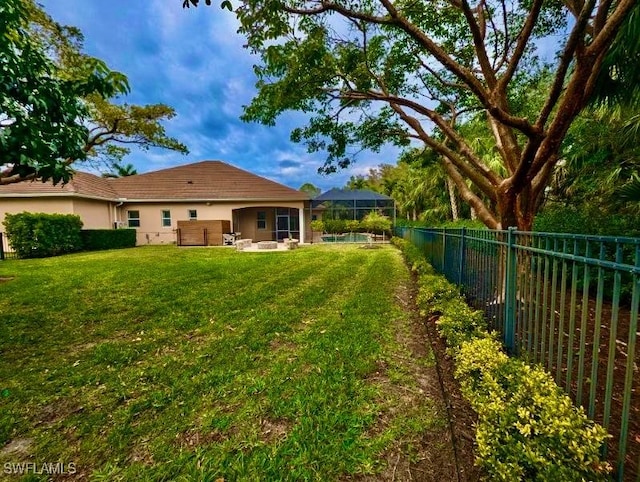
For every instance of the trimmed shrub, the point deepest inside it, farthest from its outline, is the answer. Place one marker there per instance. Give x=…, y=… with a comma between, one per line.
x=527, y=429
x=352, y=225
x=39, y=235
x=461, y=223
x=414, y=257
x=317, y=225
x=98, y=239
x=376, y=222
x=334, y=226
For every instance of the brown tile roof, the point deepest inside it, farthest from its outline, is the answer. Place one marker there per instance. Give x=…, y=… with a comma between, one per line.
x=82, y=184
x=205, y=180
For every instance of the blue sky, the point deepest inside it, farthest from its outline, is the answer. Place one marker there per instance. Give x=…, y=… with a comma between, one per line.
x=193, y=60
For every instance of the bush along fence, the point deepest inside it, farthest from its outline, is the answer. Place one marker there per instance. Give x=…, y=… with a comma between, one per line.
x=567, y=303
x=527, y=428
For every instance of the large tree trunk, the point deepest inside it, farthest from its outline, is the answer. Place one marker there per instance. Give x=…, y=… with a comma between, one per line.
x=514, y=209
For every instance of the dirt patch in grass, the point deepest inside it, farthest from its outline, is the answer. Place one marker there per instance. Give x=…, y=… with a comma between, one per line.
x=20, y=447
x=459, y=435
x=5, y=279
x=56, y=411
x=462, y=418
x=444, y=452
x=273, y=430
x=195, y=438
x=141, y=454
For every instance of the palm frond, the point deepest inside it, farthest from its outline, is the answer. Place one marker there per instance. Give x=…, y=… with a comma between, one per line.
x=631, y=190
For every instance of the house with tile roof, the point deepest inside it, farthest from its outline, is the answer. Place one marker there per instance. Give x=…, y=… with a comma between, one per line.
x=155, y=203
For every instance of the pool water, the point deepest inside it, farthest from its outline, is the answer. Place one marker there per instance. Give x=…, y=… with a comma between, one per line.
x=345, y=238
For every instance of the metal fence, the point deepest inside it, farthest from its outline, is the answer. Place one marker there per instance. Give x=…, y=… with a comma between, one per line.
x=6, y=251
x=566, y=302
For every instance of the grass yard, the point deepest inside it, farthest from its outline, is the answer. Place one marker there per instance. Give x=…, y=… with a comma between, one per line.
x=160, y=363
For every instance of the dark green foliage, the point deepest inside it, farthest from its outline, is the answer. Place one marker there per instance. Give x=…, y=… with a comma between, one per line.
x=39, y=235
x=334, y=226
x=586, y=219
x=42, y=110
x=97, y=239
x=466, y=81
x=461, y=223
x=619, y=76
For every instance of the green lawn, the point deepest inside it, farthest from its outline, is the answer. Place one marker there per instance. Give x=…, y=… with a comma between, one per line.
x=162, y=363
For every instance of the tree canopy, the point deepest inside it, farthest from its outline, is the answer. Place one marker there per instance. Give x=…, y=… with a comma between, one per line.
x=58, y=105
x=41, y=110
x=419, y=72
x=310, y=189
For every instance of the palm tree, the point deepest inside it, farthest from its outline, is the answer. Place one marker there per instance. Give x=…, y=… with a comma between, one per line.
x=619, y=78
x=121, y=171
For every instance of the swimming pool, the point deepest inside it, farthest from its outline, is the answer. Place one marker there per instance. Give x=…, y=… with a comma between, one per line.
x=345, y=238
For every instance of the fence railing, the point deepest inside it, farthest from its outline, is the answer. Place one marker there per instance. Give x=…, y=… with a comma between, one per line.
x=6, y=252
x=566, y=302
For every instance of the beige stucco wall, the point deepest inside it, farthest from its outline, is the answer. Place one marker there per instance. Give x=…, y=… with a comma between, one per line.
x=97, y=214
x=40, y=205
x=242, y=216
x=94, y=214
x=248, y=224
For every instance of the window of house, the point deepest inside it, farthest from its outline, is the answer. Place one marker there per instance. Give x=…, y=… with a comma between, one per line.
x=166, y=218
x=262, y=220
x=134, y=219
x=193, y=215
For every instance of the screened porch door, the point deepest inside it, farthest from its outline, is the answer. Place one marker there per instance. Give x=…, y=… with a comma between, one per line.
x=287, y=223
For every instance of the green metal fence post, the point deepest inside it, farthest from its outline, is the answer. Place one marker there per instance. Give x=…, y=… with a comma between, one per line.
x=1, y=247
x=444, y=251
x=462, y=250
x=510, y=293
x=628, y=377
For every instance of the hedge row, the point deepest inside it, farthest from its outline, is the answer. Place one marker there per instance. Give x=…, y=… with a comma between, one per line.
x=372, y=222
x=97, y=239
x=528, y=429
x=39, y=235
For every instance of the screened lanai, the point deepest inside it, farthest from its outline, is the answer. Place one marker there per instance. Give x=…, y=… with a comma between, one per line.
x=351, y=204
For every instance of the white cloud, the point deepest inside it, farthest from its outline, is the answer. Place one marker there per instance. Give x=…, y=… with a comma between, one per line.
x=194, y=60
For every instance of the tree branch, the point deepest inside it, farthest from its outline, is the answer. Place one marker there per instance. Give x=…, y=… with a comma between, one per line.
x=476, y=176
x=330, y=6
x=521, y=45
x=478, y=43
x=577, y=34
x=447, y=129
x=610, y=28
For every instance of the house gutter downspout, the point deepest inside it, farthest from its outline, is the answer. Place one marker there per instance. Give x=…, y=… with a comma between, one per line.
x=115, y=213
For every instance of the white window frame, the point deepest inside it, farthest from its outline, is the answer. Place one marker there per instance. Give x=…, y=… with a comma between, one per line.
x=192, y=218
x=164, y=219
x=133, y=221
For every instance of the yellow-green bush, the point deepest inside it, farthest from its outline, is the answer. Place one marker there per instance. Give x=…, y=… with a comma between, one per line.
x=528, y=429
